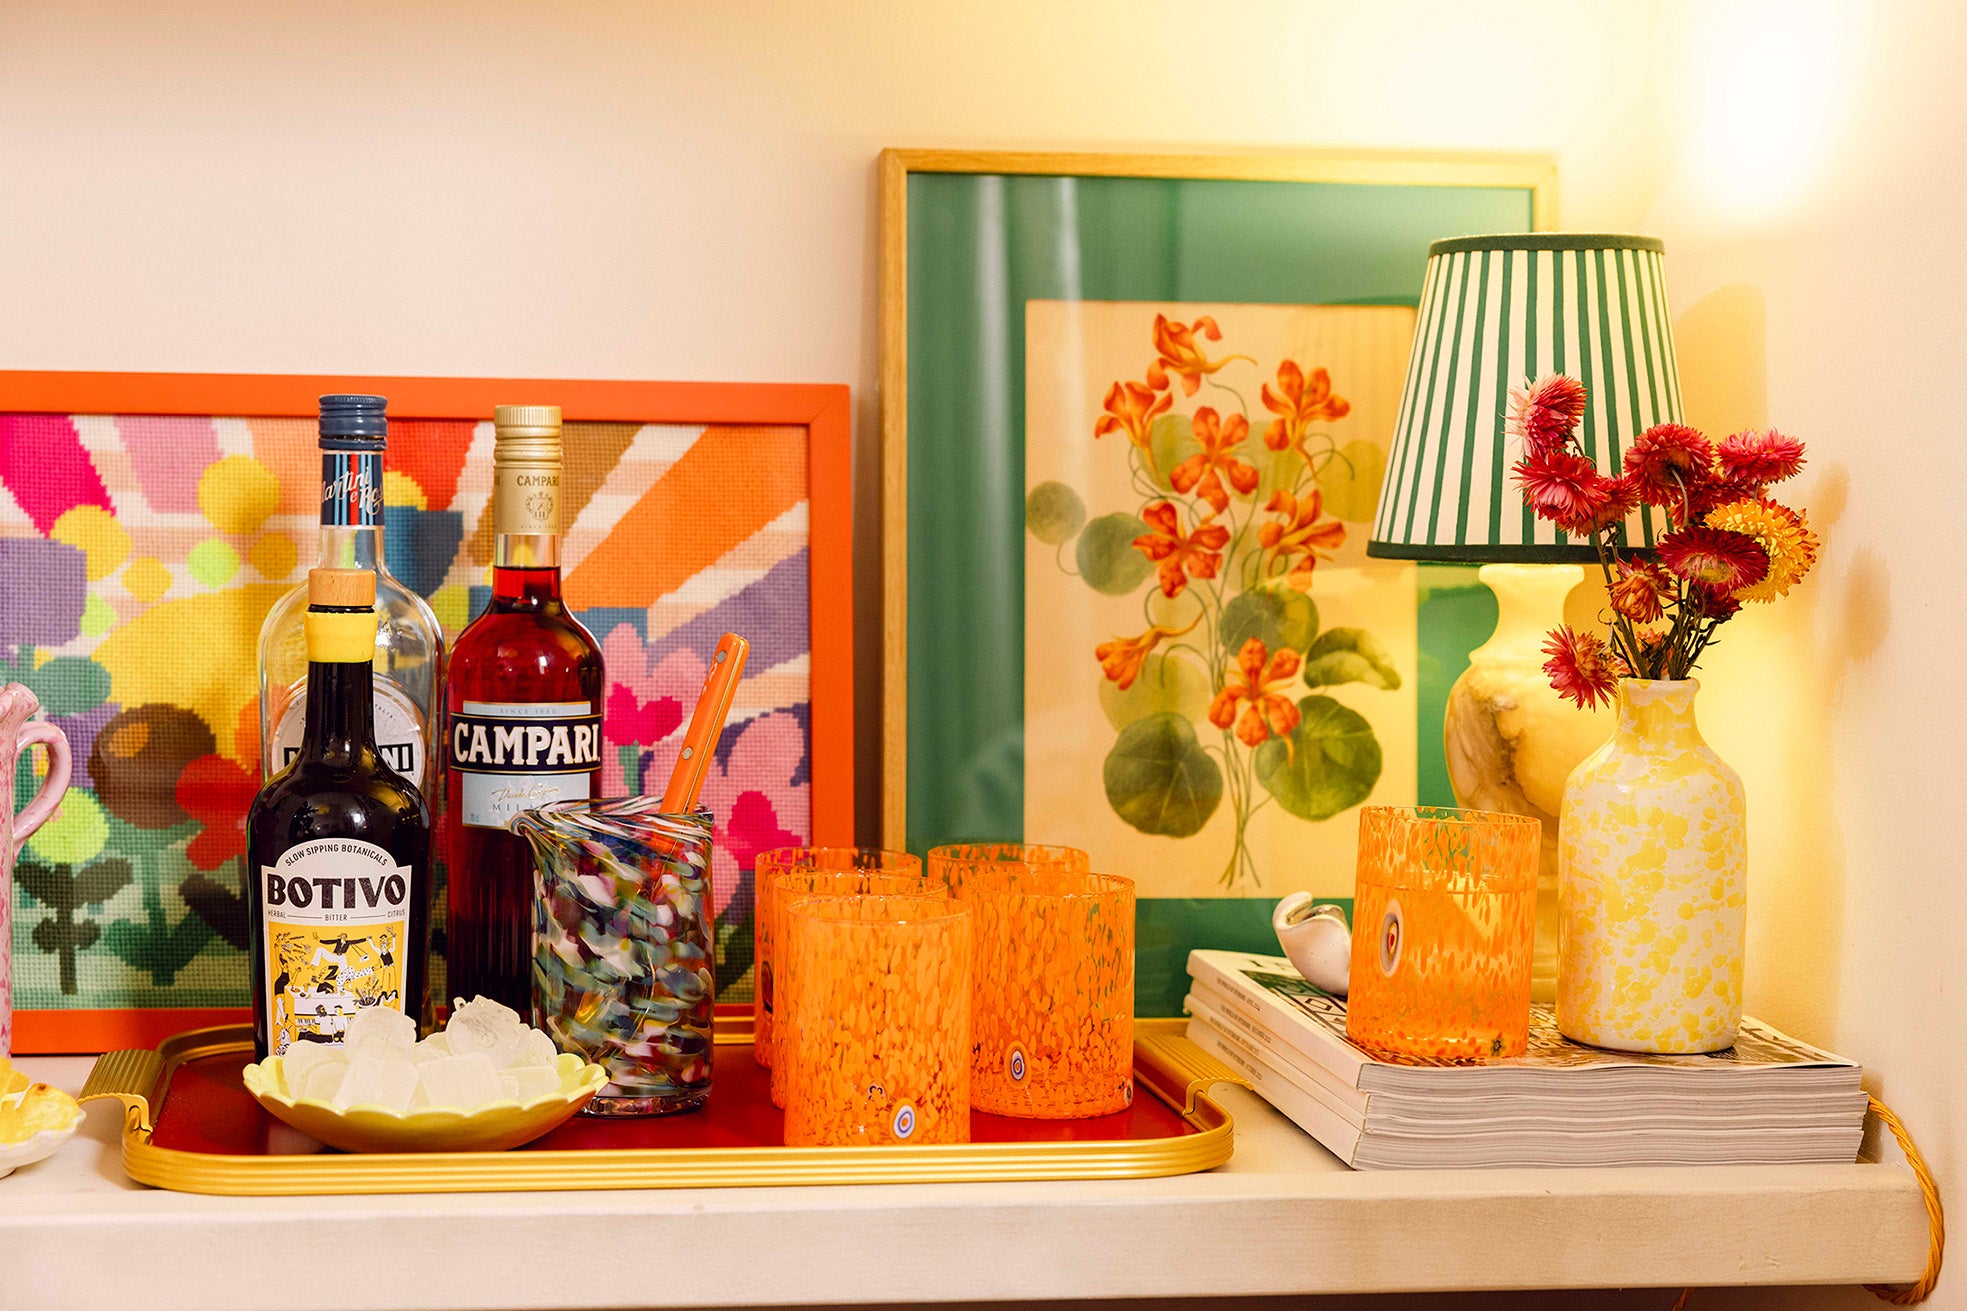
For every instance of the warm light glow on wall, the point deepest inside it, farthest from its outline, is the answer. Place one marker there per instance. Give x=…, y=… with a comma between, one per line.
x=1766, y=87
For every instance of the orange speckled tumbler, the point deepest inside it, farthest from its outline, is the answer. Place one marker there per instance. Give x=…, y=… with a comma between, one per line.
x=1444, y=925
x=784, y=860
x=794, y=884
x=876, y=1045
x=1054, y=1011
x=958, y=861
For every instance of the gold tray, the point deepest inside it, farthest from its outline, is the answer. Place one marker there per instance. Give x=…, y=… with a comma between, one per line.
x=192, y=1082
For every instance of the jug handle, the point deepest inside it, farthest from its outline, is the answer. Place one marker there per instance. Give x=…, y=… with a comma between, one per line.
x=40, y=733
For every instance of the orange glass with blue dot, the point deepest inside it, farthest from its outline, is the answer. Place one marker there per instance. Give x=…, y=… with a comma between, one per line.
x=875, y=1048
x=1444, y=925
x=1054, y=1001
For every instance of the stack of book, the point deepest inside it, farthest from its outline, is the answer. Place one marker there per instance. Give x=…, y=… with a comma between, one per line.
x=1768, y=1099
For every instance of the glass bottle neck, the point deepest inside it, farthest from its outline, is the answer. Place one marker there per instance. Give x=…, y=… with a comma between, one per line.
x=340, y=711
x=352, y=546
x=526, y=572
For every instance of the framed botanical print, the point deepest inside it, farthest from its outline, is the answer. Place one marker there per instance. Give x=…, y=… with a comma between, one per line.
x=1135, y=412
x=148, y=521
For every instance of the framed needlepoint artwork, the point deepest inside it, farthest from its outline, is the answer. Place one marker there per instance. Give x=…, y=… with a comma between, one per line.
x=1135, y=417
x=149, y=521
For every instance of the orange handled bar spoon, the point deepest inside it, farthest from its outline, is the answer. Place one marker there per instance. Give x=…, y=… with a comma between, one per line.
x=706, y=724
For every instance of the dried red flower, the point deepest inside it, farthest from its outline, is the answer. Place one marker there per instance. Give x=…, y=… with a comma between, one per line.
x=1641, y=591
x=1714, y=557
x=1581, y=667
x=1543, y=413
x=1565, y=488
x=1667, y=464
x=1712, y=604
x=1760, y=458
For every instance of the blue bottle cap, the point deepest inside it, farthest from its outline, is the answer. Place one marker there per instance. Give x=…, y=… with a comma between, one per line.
x=353, y=423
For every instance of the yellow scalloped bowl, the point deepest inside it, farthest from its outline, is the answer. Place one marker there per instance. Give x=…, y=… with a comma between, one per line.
x=492, y=1127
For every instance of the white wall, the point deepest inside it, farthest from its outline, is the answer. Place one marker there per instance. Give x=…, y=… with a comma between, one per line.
x=1814, y=189
x=667, y=191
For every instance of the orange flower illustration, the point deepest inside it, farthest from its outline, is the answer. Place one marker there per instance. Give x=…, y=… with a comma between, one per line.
x=1298, y=535
x=1254, y=683
x=1203, y=474
x=1300, y=402
x=1122, y=658
x=1181, y=355
x=1180, y=556
x=1132, y=409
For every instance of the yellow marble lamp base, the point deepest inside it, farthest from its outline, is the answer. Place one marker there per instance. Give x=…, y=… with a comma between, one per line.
x=1511, y=740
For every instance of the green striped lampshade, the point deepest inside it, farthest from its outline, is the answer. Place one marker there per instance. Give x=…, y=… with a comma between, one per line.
x=1495, y=311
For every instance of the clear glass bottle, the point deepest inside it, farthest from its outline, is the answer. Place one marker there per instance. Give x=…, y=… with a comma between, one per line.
x=409, y=643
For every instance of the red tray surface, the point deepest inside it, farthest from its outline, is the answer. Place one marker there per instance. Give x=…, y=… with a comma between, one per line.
x=207, y=1109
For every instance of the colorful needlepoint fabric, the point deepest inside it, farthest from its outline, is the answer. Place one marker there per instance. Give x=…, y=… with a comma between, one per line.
x=139, y=555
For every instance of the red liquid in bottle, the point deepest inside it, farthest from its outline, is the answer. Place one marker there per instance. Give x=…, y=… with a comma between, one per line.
x=522, y=705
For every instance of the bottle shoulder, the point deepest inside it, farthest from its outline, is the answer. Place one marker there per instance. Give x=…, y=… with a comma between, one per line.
x=331, y=789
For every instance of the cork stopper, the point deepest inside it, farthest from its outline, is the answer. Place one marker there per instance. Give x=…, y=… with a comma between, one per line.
x=348, y=588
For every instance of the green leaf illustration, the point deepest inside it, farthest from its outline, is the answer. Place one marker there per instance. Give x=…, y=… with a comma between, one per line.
x=1349, y=655
x=1172, y=439
x=69, y=685
x=1053, y=513
x=1167, y=685
x=158, y=948
x=1277, y=615
x=1107, y=558
x=1351, y=481
x=734, y=947
x=1329, y=762
x=64, y=892
x=219, y=906
x=1160, y=780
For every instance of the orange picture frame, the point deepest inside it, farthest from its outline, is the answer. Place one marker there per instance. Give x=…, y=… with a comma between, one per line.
x=822, y=409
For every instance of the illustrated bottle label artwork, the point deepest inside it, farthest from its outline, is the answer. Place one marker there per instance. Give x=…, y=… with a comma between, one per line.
x=513, y=756
x=399, y=730
x=337, y=929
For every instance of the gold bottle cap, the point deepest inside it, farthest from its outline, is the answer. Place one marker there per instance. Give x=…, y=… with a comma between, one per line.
x=526, y=470
x=523, y=421
x=352, y=588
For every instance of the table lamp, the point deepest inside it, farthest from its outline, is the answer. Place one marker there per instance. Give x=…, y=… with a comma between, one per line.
x=1494, y=312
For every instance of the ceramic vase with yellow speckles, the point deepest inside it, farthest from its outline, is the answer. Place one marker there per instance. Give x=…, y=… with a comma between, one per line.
x=1652, y=884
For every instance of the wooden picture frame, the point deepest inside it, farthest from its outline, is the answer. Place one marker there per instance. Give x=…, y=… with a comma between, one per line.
x=822, y=410
x=1394, y=203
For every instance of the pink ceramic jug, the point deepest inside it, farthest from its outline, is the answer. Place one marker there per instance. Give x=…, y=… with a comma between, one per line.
x=19, y=731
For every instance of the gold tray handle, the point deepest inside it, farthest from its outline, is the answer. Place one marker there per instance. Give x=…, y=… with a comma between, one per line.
x=131, y=1077
x=1179, y=1070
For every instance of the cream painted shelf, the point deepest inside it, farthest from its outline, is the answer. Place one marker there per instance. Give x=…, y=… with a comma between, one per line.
x=1282, y=1217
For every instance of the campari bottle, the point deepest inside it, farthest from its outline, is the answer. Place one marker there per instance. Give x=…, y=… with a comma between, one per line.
x=337, y=847
x=409, y=644
x=522, y=717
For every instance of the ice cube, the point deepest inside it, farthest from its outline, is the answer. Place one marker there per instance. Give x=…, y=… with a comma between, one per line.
x=461, y=1081
x=324, y=1080
x=303, y=1058
x=380, y=1027
x=387, y=1081
x=434, y=1048
x=534, y=1049
x=525, y=1083
x=485, y=1026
